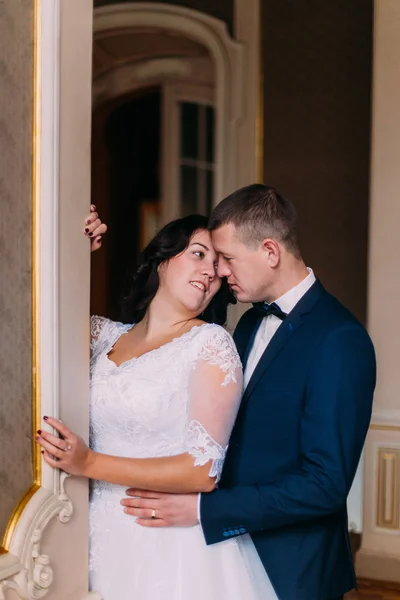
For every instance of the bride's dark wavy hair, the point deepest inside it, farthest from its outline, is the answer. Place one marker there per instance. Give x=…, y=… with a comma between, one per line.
x=171, y=240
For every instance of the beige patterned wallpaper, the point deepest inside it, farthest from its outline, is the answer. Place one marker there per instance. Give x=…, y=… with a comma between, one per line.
x=16, y=103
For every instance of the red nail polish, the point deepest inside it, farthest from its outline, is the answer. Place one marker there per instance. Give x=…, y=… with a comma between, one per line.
x=39, y=431
x=42, y=451
x=90, y=234
x=45, y=418
x=86, y=229
x=37, y=438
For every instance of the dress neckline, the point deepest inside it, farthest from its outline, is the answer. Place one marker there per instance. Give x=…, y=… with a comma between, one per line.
x=154, y=350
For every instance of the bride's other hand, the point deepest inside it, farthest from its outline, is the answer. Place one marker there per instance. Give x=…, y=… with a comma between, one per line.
x=94, y=229
x=155, y=509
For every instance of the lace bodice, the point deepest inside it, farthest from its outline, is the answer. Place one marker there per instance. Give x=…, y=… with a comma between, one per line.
x=181, y=397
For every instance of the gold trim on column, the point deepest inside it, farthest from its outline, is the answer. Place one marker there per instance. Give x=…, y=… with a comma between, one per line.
x=388, y=512
x=36, y=188
x=36, y=408
x=260, y=107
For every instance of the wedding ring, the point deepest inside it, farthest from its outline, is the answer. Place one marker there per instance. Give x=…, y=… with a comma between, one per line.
x=153, y=513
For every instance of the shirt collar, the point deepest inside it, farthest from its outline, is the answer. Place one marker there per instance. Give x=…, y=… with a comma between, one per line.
x=288, y=301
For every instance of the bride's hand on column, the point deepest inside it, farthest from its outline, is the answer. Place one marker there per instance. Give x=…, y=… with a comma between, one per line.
x=94, y=229
x=67, y=452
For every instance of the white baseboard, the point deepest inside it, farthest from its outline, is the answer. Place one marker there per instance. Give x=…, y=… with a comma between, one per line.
x=379, y=566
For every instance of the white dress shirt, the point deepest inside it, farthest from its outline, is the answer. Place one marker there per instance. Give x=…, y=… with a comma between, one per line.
x=270, y=324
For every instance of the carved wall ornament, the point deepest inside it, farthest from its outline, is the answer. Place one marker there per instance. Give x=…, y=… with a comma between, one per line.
x=35, y=574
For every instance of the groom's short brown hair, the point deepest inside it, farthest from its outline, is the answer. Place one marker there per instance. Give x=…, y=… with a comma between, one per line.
x=258, y=212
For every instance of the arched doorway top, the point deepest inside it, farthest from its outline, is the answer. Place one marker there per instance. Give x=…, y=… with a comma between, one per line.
x=226, y=54
x=192, y=24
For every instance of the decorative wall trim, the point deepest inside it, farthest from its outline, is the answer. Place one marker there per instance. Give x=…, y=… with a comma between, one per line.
x=24, y=568
x=384, y=488
x=379, y=427
x=388, y=489
x=32, y=572
x=157, y=67
x=127, y=78
x=386, y=420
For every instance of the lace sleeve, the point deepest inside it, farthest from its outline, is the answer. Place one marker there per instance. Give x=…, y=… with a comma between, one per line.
x=97, y=326
x=215, y=392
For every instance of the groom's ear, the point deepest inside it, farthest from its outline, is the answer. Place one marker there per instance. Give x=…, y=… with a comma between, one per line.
x=271, y=251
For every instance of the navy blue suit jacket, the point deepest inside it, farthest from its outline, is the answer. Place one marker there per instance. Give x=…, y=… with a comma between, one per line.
x=295, y=448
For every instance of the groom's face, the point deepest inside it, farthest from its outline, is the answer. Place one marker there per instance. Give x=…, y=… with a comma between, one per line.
x=246, y=268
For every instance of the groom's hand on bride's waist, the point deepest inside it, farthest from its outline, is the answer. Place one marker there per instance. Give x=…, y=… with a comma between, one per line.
x=156, y=509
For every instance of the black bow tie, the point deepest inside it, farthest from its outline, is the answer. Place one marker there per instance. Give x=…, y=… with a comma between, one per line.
x=265, y=309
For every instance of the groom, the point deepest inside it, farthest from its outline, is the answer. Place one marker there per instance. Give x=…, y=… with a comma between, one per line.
x=309, y=375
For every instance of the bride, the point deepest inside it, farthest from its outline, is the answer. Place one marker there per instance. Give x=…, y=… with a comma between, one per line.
x=165, y=391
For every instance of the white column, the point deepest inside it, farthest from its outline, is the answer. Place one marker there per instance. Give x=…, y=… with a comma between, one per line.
x=379, y=557
x=68, y=545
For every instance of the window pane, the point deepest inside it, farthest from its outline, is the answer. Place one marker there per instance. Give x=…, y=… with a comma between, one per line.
x=209, y=191
x=188, y=190
x=210, y=134
x=189, y=130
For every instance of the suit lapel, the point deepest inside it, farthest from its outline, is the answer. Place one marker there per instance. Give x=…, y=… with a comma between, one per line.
x=292, y=322
x=278, y=341
x=245, y=332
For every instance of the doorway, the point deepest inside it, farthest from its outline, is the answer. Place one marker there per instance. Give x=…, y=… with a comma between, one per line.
x=125, y=189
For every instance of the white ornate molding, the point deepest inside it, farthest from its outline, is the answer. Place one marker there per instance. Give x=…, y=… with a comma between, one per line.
x=388, y=488
x=159, y=66
x=33, y=574
x=24, y=568
x=383, y=490
x=128, y=77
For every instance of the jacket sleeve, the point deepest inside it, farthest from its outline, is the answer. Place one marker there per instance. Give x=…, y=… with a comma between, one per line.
x=334, y=423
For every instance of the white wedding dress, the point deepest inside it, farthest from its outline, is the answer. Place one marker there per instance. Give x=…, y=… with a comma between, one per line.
x=181, y=397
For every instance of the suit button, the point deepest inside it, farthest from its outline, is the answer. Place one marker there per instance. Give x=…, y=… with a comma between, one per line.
x=231, y=532
x=242, y=530
x=226, y=534
x=237, y=532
